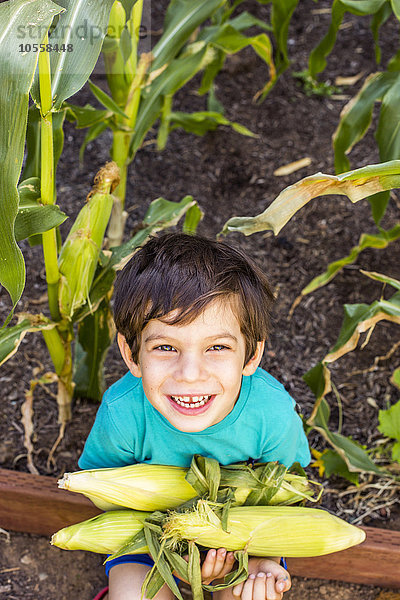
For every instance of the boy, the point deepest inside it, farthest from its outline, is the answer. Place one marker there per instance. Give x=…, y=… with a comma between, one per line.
x=192, y=317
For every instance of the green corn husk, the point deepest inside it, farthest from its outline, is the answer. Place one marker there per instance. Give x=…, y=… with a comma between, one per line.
x=140, y=486
x=264, y=530
x=105, y=533
x=80, y=252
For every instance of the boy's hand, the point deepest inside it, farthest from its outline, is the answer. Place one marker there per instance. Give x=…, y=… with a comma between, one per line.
x=267, y=581
x=216, y=565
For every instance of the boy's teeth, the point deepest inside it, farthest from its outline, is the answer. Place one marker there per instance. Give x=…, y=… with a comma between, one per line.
x=191, y=401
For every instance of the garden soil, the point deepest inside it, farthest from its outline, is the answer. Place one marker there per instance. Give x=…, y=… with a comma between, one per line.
x=231, y=175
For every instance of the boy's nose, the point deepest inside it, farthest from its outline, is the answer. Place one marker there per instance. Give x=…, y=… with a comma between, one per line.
x=191, y=369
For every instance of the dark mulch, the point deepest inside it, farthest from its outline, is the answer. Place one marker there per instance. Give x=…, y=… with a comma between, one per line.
x=231, y=175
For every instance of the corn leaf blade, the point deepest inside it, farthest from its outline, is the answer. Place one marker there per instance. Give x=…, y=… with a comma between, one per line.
x=80, y=30
x=181, y=20
x=355, y=457
x=11, y=337
x=379, y=241
x=356, y=116
x=356, y=185
x=16, y=73
x=95, y=335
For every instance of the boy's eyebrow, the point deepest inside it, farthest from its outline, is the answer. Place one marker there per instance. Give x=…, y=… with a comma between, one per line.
x=160, y=336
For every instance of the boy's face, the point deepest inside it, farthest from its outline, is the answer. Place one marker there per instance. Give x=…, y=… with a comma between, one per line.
x=192, y=373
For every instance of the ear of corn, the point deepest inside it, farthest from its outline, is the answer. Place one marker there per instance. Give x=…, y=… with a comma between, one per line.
x=80, y=252
x=105, y=533
x=264, y=530
x=160, y=487
x=140, y=486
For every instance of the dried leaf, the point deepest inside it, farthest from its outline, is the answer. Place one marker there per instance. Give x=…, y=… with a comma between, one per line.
x=349, y=80
x=293, y=166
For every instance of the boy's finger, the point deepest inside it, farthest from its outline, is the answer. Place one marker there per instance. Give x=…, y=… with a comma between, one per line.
x=283, y=584
x=259, y=591
x=219, y=562
x=247, y=591
x=237, y=590
x=272, y=594
x=226, y=566
x=208, y=566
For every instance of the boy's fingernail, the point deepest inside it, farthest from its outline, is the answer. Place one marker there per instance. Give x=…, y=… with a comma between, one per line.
x=252, y=576
x=213, y=552
x=260, y=574
x=281, y=585
x=269, y=574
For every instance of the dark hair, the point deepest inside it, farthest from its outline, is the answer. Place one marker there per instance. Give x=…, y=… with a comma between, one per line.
x=183, y=272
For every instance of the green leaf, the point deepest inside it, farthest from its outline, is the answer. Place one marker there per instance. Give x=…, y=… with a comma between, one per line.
x=382, y=278
x=317, y=60
x=181, y=20
x=379, y=18
x=128, y=5
x=281, y=15
x=356, y=185
x=33, y=152
x=335, y=465
x=395, y=379
x=167, y=83
x=16, y=72
x=388, y=139
x=213, y=104
x=396, y=8
x=201, y=122
x=194, y=572
x=80, y=32
x=34, y=218
x=86, y=116
x=106, y=100
x=11, y=337
x=356, y=116
x=230, y=41
x=355, y=457
x=379, y=241
x=193, y=217
x=396, y=452
x=389, y=422
x=359, y=318
x=95, y=335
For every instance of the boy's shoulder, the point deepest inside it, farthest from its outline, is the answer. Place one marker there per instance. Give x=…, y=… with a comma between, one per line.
x=265, y=386
x=128, y=387
x=263, y=379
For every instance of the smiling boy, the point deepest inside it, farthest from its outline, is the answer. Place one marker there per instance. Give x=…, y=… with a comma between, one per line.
x=192, y=317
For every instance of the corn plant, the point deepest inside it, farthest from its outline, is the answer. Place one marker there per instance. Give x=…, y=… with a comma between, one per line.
x=358, y=319
x=142, y=84
x=357, y=184
x=382, y=87
x=79, y=275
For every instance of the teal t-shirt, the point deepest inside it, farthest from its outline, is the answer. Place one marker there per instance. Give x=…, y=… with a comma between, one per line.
x=263, y=425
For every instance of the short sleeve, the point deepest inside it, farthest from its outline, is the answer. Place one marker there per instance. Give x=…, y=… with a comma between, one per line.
x=106, y=445
x=289, y=444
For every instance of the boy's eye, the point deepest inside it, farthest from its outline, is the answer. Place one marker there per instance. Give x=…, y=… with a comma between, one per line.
x=218, y=347
x=165, y=348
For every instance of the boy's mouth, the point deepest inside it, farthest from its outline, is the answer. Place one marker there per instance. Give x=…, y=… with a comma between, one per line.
x=191, y=403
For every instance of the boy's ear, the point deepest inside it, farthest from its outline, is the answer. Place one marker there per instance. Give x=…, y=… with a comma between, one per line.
x=127, y=356
x=255, y=360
